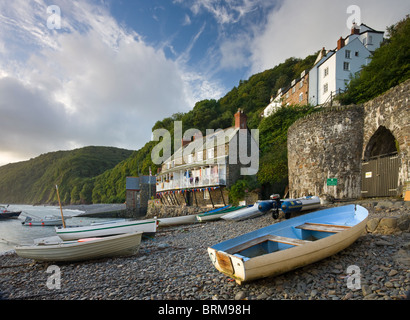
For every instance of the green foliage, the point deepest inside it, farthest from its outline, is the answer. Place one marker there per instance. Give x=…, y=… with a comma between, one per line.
x=34, y=181
x=241, y=187
x=273, y=164
x=389, y=67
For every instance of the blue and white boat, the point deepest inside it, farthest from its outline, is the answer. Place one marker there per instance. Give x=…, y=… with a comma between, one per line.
x=289, y=244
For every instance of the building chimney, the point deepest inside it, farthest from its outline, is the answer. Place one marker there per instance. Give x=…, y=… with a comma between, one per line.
x=240, y=119
x=355, y=29
x=185, y=142
x=340, y=43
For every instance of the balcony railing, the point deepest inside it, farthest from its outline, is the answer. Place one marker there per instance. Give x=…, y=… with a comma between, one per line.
x=191, y=182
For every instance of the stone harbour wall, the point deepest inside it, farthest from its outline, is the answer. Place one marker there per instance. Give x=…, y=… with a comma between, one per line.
x=391, y=110
x=331, y=144
x=326, y=145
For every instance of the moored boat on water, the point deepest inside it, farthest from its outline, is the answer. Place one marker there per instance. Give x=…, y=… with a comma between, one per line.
x=289, y=244
x=50, y=220
x=7, y=214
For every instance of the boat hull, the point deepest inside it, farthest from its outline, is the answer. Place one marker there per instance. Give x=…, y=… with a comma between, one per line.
x=44, y=222
x=175, y=221
x=9, y=215
x=125, y=244
x=244, y=269
x=245, y=213
x=107, y=229
x=216, y=215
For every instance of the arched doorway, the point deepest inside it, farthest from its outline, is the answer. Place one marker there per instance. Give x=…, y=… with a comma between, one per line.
x=381, y=143
x=380, y=166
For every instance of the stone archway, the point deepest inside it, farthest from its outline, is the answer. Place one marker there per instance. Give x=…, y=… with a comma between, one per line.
x=380, y=167
x=381, y=143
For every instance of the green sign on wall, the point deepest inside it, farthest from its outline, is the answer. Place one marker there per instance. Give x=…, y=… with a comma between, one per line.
x=332, y=182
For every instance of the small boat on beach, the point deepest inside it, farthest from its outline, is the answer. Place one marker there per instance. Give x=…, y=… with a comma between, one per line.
x=175, y=221
x=188, y=219
x=299, y=204
x=289, y=244
x=54, y=249
x=248, y=212
x=210, y=216
x=108, y=228
x=50, y=220
x=7, y=214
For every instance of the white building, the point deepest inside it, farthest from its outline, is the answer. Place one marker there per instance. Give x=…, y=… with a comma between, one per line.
x=333, y=69
x=274, y=104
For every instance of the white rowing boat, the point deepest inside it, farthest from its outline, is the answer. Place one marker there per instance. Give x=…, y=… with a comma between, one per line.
x=244, y=213
x=175, y=221
x=290, y=244
x=108, y=228
x=84, y=249
x=211, y=216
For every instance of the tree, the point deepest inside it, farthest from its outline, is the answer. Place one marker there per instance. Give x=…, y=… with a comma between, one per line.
x=389, y=67
x=75, y=195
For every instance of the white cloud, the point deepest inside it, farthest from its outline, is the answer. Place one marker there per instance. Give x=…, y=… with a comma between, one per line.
x=90, y=83
x=298, y=28
x=235, y=52
x=229, y=11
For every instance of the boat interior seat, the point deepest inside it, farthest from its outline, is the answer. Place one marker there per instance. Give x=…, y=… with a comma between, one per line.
x=322, y=227
x=268, y=237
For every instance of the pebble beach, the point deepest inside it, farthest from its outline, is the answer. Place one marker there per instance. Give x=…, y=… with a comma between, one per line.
x=174, y=265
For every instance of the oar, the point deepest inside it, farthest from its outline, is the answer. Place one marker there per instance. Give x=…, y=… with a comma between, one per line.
x=61, y=209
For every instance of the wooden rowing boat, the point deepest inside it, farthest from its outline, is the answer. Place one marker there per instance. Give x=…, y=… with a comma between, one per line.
x=108, y=228
x=290, y=244
x=82, y=249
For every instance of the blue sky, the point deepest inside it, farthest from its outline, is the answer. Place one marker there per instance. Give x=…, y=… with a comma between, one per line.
x=115, y=67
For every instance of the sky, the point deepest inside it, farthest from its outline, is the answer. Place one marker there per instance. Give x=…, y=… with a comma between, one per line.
x=102, y=72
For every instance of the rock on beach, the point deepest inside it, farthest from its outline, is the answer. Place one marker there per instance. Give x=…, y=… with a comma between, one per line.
x=174, y=265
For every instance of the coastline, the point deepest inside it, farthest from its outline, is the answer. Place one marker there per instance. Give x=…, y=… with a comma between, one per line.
x=174, y=265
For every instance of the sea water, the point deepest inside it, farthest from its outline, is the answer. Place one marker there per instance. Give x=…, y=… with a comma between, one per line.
x=13, y=232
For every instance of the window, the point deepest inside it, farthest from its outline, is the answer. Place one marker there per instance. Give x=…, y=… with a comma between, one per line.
x=206, y=194
x=200, y=156
x=347, y=54
x=301, y=83
x=301, y=97
x=325, y=88
x=326, y=72
x=356, y=54
x=293, y=89
x=346, y=66
x=369, y=40
x=210, y=153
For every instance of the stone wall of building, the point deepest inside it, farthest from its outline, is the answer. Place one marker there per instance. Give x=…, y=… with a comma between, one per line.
x=332, y=143
x=157, y=209
x=392, y=111
x=326, y=145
